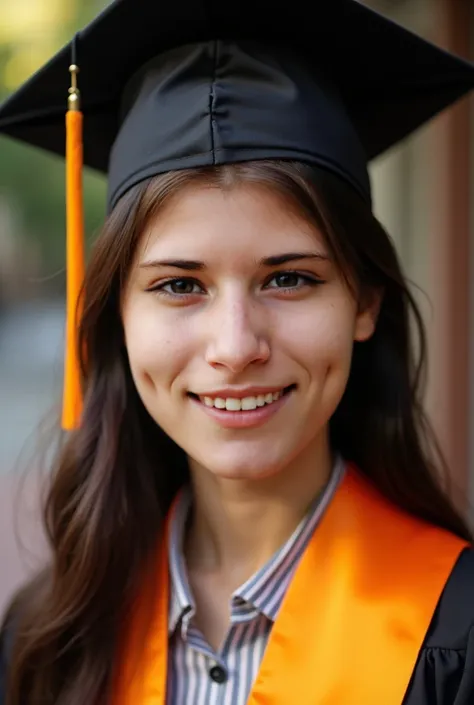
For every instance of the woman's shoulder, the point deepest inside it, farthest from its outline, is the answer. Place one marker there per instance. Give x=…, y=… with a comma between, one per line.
x=444, y=672
x=7, y=638
x=453, y=621
x=12, y=622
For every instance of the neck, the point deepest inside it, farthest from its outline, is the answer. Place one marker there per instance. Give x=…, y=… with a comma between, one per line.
x=237, y=525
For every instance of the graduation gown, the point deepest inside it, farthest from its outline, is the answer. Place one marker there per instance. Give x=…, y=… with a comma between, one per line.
x=443, y=665
x=444, y=673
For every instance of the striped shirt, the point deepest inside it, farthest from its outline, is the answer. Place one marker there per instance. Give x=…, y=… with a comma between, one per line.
x=197, y=675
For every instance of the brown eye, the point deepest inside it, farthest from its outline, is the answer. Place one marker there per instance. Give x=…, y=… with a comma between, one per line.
x=290, y=280
x=181, y=286
x=287, y=280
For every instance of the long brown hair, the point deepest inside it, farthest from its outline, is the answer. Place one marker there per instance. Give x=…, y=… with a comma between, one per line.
x=116, y=476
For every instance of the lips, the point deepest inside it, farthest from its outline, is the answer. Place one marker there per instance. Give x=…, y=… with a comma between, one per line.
x=242, y=401
x=246, y=418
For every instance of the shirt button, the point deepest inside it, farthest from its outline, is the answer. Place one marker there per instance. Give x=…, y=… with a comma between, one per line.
x=218, y=674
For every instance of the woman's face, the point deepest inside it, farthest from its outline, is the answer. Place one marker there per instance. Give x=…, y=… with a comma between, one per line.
x=239, y=330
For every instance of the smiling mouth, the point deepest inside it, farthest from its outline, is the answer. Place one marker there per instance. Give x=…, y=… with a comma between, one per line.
x=249, y=403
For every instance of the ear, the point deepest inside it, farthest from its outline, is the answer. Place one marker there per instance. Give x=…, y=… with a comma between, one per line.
x=367, y=316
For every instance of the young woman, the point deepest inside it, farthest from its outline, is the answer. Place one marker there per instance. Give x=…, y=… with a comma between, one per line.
x=251, y=508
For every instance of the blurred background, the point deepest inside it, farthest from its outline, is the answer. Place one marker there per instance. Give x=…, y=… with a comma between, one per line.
x=422, y=195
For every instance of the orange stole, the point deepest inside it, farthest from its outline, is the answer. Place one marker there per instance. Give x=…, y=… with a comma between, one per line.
x=353, y=619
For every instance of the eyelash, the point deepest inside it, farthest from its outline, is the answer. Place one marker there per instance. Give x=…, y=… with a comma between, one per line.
x=159, y=289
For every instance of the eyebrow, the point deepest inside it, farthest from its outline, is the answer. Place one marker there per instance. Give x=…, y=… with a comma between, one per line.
x=272, y=261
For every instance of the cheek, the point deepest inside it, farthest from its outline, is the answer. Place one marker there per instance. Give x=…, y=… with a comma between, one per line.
x=327, y=350
x=322, y=339
x=155, y=349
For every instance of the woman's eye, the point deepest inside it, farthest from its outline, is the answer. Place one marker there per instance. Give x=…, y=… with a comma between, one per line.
x=291, y=280
x=181, y=286
x=177, y=287
x=287, y=280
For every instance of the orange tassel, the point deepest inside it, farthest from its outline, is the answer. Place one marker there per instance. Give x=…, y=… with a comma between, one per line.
x=72, y=396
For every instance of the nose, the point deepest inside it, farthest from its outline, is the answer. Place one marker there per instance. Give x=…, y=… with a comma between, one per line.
x=237, y=336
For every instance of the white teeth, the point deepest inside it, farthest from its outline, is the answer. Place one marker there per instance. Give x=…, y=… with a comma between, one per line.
x=245, y=404
x=249, y=403
x=232, y=404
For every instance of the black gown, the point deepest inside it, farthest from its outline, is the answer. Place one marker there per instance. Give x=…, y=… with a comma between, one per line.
x=444, y=672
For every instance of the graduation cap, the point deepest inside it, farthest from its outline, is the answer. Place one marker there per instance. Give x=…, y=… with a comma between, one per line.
x=167, y=85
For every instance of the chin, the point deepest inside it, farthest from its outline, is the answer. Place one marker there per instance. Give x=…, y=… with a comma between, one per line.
x=239, y=473
x=238, y=467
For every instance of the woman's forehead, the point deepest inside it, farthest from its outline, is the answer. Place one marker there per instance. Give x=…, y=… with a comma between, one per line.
x=245, y=219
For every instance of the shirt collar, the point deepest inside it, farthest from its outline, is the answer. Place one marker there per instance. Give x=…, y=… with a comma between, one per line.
x=181, y=600
x=265, y=590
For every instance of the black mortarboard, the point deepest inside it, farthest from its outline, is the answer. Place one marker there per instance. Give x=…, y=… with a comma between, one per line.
x=329, y=82
x=168, y=85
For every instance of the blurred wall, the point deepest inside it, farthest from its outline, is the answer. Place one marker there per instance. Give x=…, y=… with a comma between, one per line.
x=422, y=191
